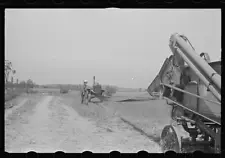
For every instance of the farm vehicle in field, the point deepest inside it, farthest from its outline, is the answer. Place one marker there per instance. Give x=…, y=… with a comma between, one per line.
x=94, y=92
x=192, y=86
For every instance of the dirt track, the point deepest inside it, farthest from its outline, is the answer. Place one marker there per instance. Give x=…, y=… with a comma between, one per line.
x=45, y=123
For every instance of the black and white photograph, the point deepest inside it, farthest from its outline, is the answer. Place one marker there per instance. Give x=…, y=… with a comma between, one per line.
x=104, y=80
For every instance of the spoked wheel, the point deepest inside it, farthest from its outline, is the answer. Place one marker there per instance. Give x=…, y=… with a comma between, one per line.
x=169, y=140
x=100, y=97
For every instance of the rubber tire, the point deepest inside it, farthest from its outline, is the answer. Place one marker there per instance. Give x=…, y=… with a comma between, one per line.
x=170, y=140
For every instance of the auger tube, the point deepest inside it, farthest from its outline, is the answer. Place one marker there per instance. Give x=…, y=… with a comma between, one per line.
x=205, y=72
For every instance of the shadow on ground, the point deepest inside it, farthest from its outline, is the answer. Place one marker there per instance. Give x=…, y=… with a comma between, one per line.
x=154, y=138
x=96, y=102
x=135, y=100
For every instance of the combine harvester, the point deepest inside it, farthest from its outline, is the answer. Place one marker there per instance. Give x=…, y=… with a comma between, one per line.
x=192, y=86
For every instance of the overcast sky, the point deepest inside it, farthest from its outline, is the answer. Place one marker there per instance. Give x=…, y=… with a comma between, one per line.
x=68, y=46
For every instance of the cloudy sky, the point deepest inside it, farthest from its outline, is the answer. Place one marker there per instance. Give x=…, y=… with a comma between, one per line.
x=115, y=45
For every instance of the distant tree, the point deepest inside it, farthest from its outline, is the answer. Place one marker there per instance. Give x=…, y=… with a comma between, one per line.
x=30, y=83
x=35, y=84
x=12, y=79
x=110, y=90
x=8, y=70
x=11, y=83
x=22, y=84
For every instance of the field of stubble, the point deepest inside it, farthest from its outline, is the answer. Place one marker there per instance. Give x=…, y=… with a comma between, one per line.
x=49, y=122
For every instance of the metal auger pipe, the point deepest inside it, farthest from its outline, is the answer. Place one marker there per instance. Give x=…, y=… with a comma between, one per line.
x=207, y=71
x=202, y=69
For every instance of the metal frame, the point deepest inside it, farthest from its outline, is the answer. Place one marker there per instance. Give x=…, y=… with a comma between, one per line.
x=203, y=125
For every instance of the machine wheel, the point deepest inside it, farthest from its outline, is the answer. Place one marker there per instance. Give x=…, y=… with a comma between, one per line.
x=100, y=97
x=169, y=140
x=89, y=97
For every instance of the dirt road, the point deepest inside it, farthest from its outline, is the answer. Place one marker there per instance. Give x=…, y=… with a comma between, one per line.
x=45, y=123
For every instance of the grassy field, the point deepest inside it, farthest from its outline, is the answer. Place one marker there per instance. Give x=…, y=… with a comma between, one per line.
x=146, y=114
x=118, y=96
x=47, y=90
x=147, y=117
x=14, y=95
x=150, y=116
x=11, y=94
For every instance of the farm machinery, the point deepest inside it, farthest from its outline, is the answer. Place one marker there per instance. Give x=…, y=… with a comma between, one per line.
x=95, y=92
x=191, y=84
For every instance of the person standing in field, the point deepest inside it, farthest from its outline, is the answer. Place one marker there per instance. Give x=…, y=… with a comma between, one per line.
x=84, y=90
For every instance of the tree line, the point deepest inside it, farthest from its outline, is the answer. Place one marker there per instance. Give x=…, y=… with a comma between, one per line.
x=12, y=82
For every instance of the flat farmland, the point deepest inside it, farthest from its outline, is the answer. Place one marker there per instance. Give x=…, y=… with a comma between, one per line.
x=49, y=121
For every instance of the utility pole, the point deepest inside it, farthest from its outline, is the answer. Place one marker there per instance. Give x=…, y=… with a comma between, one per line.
x=93, y=81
